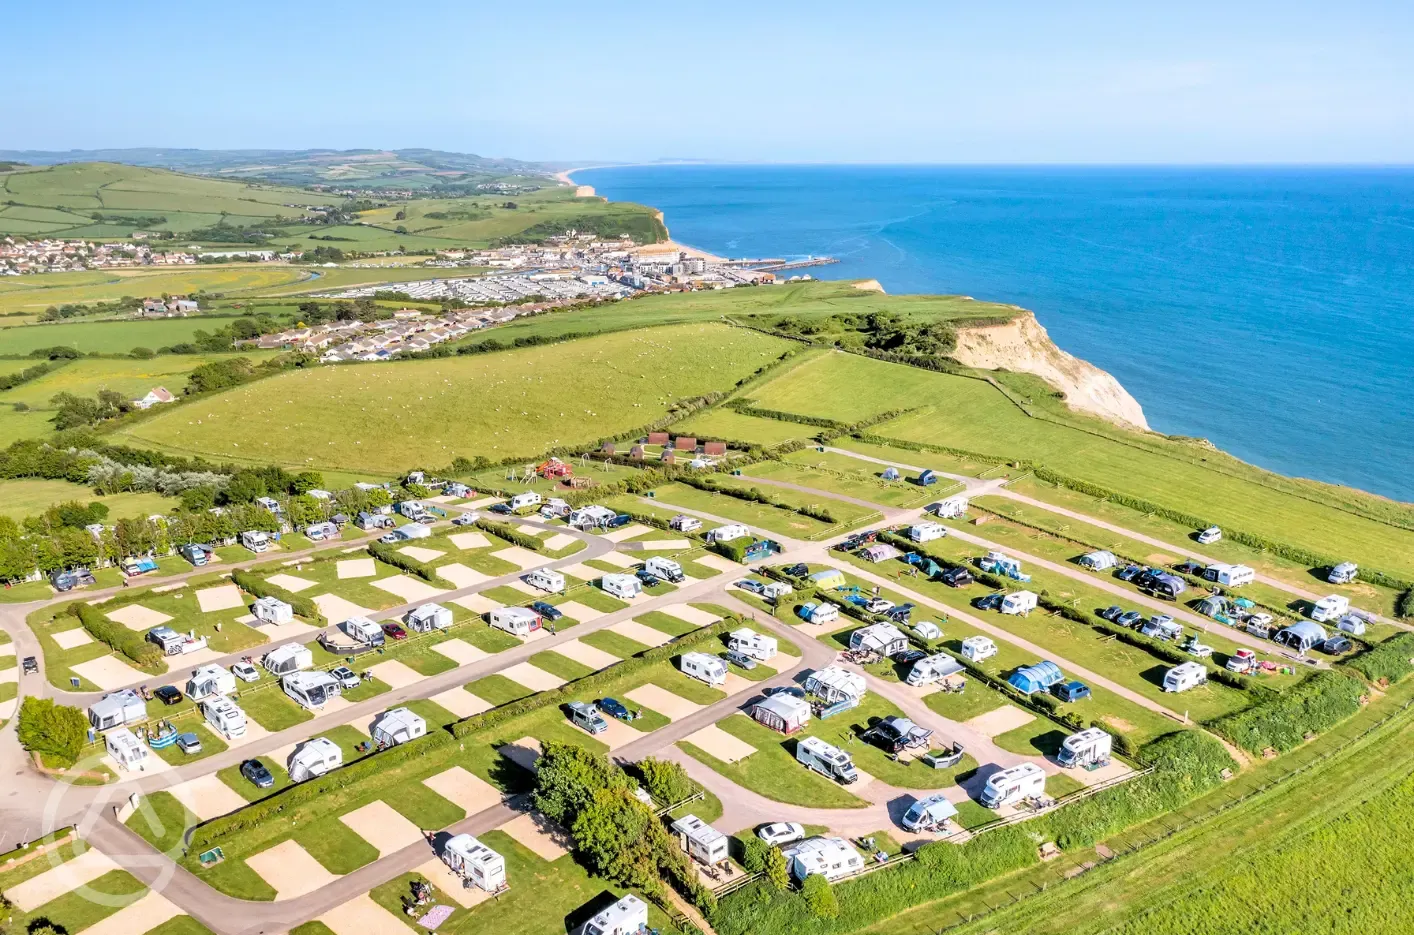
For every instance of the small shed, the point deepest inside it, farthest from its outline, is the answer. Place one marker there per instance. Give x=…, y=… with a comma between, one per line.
x=668, y=456
x=1036, y=678
x=398, y=726
x=714, y=449
x=272, y=610
x=782, y=712
x=700, y=840
x=657, y=438
x=636, y=452
x=685, y=443
x=607, y=448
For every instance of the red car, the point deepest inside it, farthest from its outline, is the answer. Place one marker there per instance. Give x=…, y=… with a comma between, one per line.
x=394, y=631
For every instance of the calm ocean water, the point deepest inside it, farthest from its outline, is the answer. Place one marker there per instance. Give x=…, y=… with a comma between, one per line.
x=1270, y=310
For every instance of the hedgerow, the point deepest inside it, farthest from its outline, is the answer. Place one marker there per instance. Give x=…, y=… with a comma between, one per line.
x=1284, y=719
x=1386, y=662
x=510, y=534
x=389, y=555
x=117, y=637
x=254, y=584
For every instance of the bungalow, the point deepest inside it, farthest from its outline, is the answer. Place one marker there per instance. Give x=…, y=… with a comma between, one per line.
x=157, y=394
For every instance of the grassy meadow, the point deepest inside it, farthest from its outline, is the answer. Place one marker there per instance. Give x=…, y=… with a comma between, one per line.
x=36, y=293
x=23, y=497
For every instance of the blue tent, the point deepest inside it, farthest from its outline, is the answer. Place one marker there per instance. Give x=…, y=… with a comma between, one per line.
x=890, y=473
x=1036, y=678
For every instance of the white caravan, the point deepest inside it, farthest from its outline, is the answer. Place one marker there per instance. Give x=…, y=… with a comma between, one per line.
x=314, y=759
x=1019, y=602
x=546, y=579
x=475, y=863
x=628, y=916
x=1089, y=748
x=705, y=667
x=1185, y=676
x=210, y=680
x=517, y=621
x=224, y=717
x=366, y=631
x=756, y=645
x=272, y=610
x=397, y=726
x=311, y=690
x=291, y=657
x=427, y=618
x=977, y=648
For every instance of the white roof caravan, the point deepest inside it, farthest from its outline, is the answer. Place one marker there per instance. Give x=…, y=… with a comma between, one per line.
x=833, y=684
x=782, y=712
x=1010, y=786
x=522, y=500
x=1019, y=602
x=272, y=610
x=224, y=717
x=664, y=568
x=475, y=863
x=700, y=840
x=116, y=709
x=291, y=657
x=705, y=667
x=1332, y=607
x=825, y=759
x=1089, y=748
x=927, y=532
x=628, y=916
x=950, y=507
x=210, y=680
x=728, y=532
x=517, y=621
x=625, y=587
x=427, y=618
x=977, y=648
x=397, y=726
x=1231, y=576
x=1185, y=676
x=311, y=690
x=756, y=645
x=932, y=669
x=1344, y=573
x=882, y=638
x=314, y=759
x=831, y=858
x=546, y=579
x=126, y=750
x=366, y=631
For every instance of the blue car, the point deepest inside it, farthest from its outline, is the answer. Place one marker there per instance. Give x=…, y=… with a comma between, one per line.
x=547, y=610
x=1071, y=691
x=613, y=708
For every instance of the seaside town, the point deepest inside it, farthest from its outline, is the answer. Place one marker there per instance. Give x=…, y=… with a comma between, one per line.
x=20, y=255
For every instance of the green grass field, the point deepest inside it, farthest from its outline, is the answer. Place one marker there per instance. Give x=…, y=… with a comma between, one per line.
x=36, y=293
x=389, y=417
x=132, y=378
x=27, y=497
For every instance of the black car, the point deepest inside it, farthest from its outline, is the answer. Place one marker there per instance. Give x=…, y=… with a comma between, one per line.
x=547, y=610
x=647, y=577
x=1189, y=568
x=257, y=774
x=909, y=656
x=956, y=577
x=794, y=691
x=31, y=665
x=168, y=694
x=991, y=601
x=503, y=508
x=895, y=733
x=799, y=570
x=1129, y=572
x=1111, y=613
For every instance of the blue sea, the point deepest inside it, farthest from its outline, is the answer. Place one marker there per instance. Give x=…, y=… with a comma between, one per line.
x=1269, y=310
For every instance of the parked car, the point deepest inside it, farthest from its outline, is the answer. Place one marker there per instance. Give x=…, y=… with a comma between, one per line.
x=738, y=658
x=794, y=691
x=1111, y=613
x=1129, y=572
x=346, y=677
x=751, y=587
x=503, y=509
x=878, y=605
x=189, y=743
x=1337, y=644
x=168, y=694
x=781, y=832
x=1071, y=691
x=547, y=610
x=991, y=601
x=614, y=708
x=908, y=657
x=1130, y=618
x=31, y=665
x=390, y=538
x=256, y=773
x=798, y=570
x=1189, y=568
x=394, y=631
x=245, y=672
x=647, y=577
x=464, y=519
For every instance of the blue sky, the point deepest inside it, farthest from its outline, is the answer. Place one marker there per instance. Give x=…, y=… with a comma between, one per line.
x=822, y=81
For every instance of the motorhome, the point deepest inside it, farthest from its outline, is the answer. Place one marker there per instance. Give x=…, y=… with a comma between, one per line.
x=427, y=618
x=1231, y=576
x=397, y=726
x=832, y=858
x=756, y=645
x=628, y=916
x=311, y=690
x=704, y=667
x=272, y=610
x=1099, y=561
x=927, y=532
x=701, y=841
x=525, y=501
x=826, y=759
x=978, y=648
x=366, y=631
x=1344, y=573
x=1014, y=785
x=950, y=508
x=586, y=716
x=546, y=579
x=728, y=532
x=517, y=621
x=930, y=813
x=291, y=657
x=210, y=680
x=1185, y=676
x=1090, y=748
x=126, y=750
x=475, y=863
x=314, y=758
x=117, y=709
x=936, y=668
x=834, y=684
x=1332, y=607
x=223, y=716
x=882, y=638
x=624, y=587
x=1018, y=603
x=255, y=540
x=665, y=568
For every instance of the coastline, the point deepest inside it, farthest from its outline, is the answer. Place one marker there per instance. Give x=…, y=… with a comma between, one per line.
x=666, y=246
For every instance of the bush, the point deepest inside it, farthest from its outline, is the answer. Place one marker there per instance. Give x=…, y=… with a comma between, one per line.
x=753, y=854
x=56, y=731
x=1283, y=720
x=117, y=637
x=820, y=900
x=510, y=534
x=389, y=555
x=1387, y=661
x=666, y=781
x=254, y=584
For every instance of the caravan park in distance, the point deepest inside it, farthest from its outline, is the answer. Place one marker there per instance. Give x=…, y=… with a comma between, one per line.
x=408, y=541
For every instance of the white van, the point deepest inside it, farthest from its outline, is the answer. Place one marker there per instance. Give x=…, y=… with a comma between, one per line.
x=927, y=532
x=1019, y=602
x=977, y=648
x=1185, y=676
x=705, y=667
x=1344, y=573
x=1210, y=535
x=664, y=568
x=753, y=644
x=1010, y=786
x=1332, y=607
x=524, y=501
x=255, y=540
x=546, y=579
x=1089, y=748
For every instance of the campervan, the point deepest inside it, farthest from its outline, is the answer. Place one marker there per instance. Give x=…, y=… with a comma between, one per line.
x=756, y=645
x=475, y=863
x=927, y=532
x=585, y=715
x=832, y=858
x=1210, y=535
x=929, y=814
x=1162, y=627
x=524, y=501
x=397, y=726
x=664, y=568
x=117, y=709
x=1344, y=573
x=705, y=667
x=628, y=916
x=825, y=759
x=1089, y=748
x=272, y=610
x=1231, y=576
x=1332, y=607
x=291, y=657
x=311, y=690
x=1014, y=785
x=977, y=648
x=366, y=631
x=427, y=618
x=949, y=508
x=1185, y=676
x=546, y=579
x=624, y=587
x=517, y=621
x=701, y=841
x=1019, y=602
x=935, y=668
x=314, y=758
x=210, y=680
x=224, y=717
x=255, y=540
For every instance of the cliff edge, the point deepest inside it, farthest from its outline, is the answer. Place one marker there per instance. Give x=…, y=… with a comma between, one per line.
x=1023, y=346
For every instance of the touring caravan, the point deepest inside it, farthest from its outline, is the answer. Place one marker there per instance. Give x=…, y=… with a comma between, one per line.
x=756, y=645
x=882, y=638
x=224, y=717
x=475, y=863
x=366, y=631
x=684, y=523
x=705, y=667
x=210, y=680
x=427, y=618
x=977, y=648
x=117, y=709
x=1230, y=576
x=1019, y=603
x=291, y=657
x=314, y=759
x=1185, y=676
x=1011, y=786
x=937, y=668
x=311, y=690
x=701, y=841
x=927, y=532
x=782, y=712
x=255, y=540
x=1090, y=748
x=589, y=517
x=834, y=684
x=624, y=587
x=546, y=579
x=525, y=501
x=826, y=759
x=1329, y=608
x=272, y=610
x=628, y=916
x=950, y=508
x=664, y=568
x=126, y=750
x=517, y=621
x=728, y=532
x=397, y=726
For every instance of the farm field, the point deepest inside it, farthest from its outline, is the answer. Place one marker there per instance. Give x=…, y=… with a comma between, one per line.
x=21, y=497
x=36, y=293
x=130, y=377
x=725, y=423
x=760, y=515
x=107, y=337
x=389, y=417
x=819, y=474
